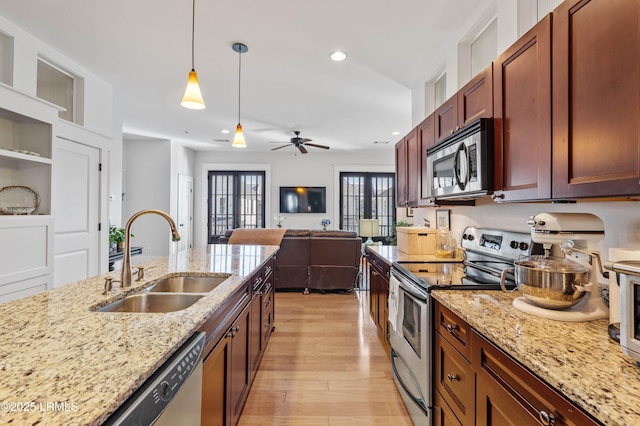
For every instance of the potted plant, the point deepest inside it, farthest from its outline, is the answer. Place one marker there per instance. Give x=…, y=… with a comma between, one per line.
x=393, y=239
x=116, y=237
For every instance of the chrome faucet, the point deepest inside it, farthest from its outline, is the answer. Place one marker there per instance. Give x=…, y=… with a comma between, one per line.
x=125, y=275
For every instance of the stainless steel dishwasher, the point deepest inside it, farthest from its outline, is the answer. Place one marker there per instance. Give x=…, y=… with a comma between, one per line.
x=172, y=395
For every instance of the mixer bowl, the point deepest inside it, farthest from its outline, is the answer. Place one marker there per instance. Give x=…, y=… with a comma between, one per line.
x=551, y=282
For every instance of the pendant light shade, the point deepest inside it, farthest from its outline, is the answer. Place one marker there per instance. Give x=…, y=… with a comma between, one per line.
x=238, y=140
x=192, y=96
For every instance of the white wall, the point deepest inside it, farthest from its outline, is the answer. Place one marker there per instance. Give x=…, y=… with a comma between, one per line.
x=621, y=218
x=147, y=185
x=182, y=162
x=287, y=169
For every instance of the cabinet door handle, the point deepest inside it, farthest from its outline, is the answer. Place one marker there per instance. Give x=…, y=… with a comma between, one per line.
x=451, y=327
x=495, y=196
x=547, y=419
x=455, y=377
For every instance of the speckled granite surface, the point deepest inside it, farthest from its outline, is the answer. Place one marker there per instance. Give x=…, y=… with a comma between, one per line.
x=577, y=359
x=392, y=254
x=61, y=363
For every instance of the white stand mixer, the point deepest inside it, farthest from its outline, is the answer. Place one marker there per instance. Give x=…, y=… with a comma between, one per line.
x=571, y=232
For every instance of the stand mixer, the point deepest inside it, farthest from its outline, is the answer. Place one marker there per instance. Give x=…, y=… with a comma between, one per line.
x=570, y=233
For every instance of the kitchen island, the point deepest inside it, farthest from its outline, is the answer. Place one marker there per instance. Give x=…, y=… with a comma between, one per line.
x=63, y=363
x=578, y=359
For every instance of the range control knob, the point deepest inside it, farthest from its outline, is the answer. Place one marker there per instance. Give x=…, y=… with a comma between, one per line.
x=471, y=237
x=465, y=236
x=513, y=244
x=524, y=246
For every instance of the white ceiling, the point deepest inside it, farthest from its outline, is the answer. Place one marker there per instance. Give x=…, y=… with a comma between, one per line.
x=143, y=48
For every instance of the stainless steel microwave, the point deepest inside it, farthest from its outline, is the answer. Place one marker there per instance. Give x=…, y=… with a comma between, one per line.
x=461, y=165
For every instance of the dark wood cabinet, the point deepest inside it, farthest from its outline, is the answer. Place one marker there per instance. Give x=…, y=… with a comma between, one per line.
x=475, y=99
x=477, y=383
x=379, y=273
x=522, y=117
x=214, y=385
x=408, y=172
x=225, y=375
x=596, y=98
x=426, y=137
x=445, y=118
x=261, y=315
x=237, y=335
x=508, y=394
x=442, y=413
x=453, y=376
x=402, y=196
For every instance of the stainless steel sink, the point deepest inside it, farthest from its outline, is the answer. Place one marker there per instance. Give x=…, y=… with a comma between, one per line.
x=152, y=303
x=188, y=284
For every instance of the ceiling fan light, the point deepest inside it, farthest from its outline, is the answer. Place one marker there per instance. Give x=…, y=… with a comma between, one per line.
x=192, y=98
x=238, y=139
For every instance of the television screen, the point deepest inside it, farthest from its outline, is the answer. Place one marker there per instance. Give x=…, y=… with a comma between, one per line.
x=303, y=199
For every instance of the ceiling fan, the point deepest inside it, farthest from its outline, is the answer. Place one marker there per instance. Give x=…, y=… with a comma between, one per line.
x=300, y=143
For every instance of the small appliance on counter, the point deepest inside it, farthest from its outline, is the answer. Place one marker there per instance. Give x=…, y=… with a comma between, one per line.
x=628, y=275
x=563, y=288
x=615, y=255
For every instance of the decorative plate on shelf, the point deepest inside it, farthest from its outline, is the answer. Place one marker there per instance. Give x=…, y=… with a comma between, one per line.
x=18, y=200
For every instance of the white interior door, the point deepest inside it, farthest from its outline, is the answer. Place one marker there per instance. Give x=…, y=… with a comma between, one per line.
x=76, y=209
x=185, y=211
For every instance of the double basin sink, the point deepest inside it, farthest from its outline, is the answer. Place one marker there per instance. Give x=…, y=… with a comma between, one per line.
x=169, y=294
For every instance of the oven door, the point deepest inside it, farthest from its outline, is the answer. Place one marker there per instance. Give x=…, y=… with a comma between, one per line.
x=411, y=348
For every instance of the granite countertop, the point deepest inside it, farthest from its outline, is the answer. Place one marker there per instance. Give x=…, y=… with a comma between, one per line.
x=576, y=358
x=62, y=363
x=391, y=254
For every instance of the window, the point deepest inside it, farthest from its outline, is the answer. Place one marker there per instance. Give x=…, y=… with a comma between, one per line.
x=61, y=88
x=484, y=48
x=236, y=200
x=367, y=196
x=440, y=90
x=6, y=58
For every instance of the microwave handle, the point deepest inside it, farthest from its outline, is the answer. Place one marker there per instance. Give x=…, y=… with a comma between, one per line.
x=462, y=183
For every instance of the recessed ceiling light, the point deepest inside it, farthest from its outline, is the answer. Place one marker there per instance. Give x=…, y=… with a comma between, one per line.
x=381, y=142
x=338, y=56
x=224, y=131
x=395, y=133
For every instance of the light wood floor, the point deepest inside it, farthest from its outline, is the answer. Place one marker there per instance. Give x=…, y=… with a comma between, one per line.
x=324, y=365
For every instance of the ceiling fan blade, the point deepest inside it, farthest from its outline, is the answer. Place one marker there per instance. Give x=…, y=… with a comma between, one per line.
x=279, y=147
x=317, y=146
x=302, y=149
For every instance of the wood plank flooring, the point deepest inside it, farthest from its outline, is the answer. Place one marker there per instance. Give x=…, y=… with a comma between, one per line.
x=324, y=365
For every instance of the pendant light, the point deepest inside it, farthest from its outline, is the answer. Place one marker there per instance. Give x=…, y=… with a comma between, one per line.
x=238, y=139
x=192, y=98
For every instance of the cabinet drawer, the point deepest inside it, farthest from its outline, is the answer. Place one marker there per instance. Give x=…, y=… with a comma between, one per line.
x=504, y=386
x=379, y=265
x=455, y=380
x=453, y=329
x=443, y=414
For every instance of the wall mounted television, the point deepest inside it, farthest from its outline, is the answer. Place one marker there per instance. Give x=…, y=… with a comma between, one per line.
x=303, y=199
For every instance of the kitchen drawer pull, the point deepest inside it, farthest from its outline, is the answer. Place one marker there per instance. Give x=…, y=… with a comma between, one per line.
x=547, y=419
x=454, y=377
x=451, y=327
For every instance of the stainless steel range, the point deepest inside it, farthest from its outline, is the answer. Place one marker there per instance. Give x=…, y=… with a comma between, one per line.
x=487, y=253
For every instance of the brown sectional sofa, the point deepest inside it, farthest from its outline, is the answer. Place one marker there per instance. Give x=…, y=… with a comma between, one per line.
x=317, y=260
